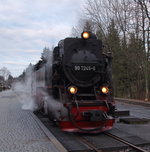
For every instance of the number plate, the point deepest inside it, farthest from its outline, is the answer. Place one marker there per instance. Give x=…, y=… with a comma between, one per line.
x=84, y=68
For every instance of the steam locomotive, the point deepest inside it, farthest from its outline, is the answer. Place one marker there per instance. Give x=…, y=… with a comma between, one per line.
x=75, y=87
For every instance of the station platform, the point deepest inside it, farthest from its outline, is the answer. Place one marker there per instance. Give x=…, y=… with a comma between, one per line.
x=137, y=111
x=134, y=101
x=21, y=131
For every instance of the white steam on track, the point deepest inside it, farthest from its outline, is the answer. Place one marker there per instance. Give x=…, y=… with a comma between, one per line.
x=23, y=91
x=54, y=107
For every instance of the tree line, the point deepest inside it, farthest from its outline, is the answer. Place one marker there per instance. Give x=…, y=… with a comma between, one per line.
x=124, y=28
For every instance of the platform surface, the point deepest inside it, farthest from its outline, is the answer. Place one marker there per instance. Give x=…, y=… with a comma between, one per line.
x=19, y=131
x=136, y=111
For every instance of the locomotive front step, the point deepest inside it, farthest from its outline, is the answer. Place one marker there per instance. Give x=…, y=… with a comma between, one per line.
x=95, y=115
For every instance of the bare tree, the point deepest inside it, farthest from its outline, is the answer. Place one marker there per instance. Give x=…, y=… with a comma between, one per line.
x=4, y=72
x=98, y=12
x=145, y=4
x=145, y=14
x=84, y=24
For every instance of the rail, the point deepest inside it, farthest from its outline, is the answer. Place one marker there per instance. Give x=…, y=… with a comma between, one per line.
x=89, y=144
x=137, y=148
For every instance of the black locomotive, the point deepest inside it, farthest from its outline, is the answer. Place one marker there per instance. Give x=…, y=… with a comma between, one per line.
x=79, y=81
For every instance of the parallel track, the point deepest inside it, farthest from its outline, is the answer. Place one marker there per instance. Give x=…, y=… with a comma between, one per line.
x=93, y=147
x=137, y=148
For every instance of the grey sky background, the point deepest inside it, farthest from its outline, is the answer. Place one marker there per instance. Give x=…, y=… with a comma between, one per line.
x=27, y=26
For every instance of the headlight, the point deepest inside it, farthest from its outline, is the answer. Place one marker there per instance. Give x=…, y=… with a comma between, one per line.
x=85, y=35
x=105, y=90
x=73, y=89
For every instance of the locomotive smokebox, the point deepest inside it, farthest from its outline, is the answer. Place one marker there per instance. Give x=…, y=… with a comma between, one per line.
x=81, y=62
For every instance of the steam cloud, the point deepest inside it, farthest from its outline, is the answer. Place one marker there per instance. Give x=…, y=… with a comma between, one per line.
x=23, y=90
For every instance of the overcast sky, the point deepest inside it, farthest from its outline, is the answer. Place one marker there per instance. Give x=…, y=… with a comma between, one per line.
x=27, y=26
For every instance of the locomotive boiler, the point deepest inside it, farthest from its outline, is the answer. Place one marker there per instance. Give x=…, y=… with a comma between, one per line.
x=76, y=91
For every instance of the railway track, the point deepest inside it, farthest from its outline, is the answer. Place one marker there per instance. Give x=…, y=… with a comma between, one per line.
x=89, y=144
x=137, y=148
x=93, y=146
x=82, y=142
